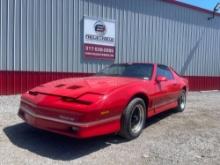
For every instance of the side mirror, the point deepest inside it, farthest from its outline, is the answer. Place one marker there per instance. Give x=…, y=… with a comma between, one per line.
x=161, y=78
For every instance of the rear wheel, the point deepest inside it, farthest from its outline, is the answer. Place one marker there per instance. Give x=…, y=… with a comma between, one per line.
x=182, y=101
x=133, y=119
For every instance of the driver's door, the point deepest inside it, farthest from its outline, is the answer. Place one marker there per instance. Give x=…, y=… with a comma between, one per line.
x=163, y=89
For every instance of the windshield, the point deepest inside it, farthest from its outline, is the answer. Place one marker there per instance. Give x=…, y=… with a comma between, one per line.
x=128, y=70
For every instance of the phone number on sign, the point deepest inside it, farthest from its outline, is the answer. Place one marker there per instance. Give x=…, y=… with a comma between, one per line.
x=99, y=49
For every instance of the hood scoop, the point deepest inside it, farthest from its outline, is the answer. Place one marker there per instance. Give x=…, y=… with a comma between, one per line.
x=60, y=85
x=74, y=87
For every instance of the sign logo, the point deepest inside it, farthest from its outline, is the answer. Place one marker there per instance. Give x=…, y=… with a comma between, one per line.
x=100, y=28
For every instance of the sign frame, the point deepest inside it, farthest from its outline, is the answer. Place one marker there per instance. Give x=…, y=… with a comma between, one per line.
x=99, y=49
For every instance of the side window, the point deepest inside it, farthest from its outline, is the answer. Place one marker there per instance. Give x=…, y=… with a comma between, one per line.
x=163, y=70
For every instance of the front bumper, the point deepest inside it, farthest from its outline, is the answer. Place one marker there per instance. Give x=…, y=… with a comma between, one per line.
x=69, y=128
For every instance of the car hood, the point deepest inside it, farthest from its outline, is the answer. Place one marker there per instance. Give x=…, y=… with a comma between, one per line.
x=75, y=87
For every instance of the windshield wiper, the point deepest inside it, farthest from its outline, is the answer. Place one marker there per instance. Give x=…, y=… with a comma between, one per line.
x=114, y=74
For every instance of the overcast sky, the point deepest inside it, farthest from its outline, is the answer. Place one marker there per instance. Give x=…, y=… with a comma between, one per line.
x=207, y=4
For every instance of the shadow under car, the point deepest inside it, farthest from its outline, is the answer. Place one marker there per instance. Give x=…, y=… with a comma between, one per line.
x=60, y=147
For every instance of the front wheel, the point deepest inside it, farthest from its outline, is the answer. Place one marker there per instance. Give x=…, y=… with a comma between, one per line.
x=133, y=119
x=181, y=101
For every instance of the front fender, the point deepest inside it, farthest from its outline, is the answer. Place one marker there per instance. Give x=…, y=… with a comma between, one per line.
x=118, y=99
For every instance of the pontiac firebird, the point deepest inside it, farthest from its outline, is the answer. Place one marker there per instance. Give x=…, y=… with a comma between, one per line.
x=117, y=99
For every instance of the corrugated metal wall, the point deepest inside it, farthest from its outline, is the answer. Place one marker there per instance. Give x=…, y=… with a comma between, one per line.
x=46, y=35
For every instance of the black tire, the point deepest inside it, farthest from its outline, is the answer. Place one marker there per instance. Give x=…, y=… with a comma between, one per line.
x=133, y=119
x=181, y=101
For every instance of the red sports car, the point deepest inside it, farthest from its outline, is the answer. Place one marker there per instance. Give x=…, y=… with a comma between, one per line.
x=117, y=99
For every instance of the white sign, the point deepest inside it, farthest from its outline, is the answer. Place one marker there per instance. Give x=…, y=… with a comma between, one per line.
x=99, y=38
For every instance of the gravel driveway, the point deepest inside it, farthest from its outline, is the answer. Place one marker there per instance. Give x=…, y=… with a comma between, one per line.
x=191, y=137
